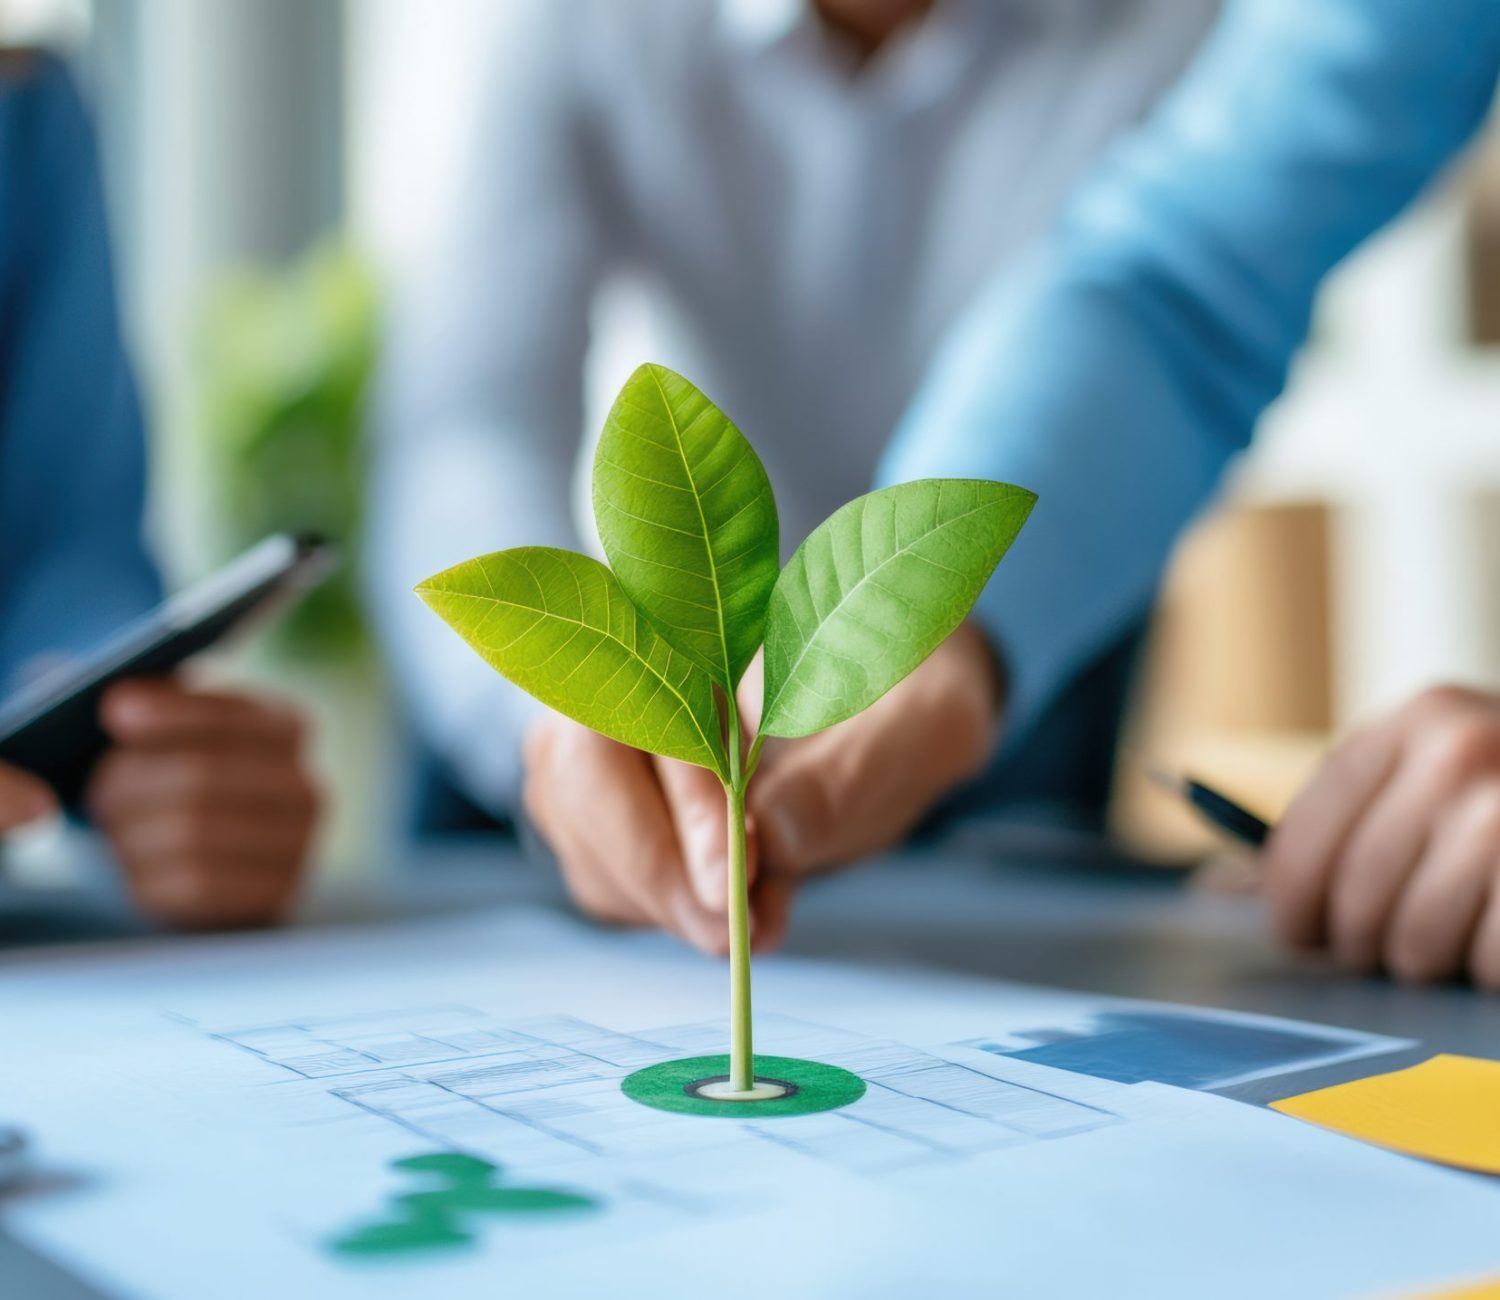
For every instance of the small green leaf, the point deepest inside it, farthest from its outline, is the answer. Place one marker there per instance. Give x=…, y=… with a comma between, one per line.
x=561, y=628
x=687, y=519
x=874, y=590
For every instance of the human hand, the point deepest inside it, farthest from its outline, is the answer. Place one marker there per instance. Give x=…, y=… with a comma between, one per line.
x=1391, y=856
x=206, y=802
x=22, y=798
x=641, y=840
x=838, y=795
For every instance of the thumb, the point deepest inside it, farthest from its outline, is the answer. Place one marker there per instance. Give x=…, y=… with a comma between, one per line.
x=699, y=815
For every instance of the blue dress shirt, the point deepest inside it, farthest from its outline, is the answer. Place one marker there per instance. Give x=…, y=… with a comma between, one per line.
x=1122, y=368
x=73, y=566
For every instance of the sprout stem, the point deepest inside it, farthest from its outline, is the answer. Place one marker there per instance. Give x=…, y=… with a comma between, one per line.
x=741, y=1052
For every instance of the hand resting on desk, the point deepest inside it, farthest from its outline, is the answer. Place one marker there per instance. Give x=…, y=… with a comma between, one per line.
x=206, y=802
x=1391, y=856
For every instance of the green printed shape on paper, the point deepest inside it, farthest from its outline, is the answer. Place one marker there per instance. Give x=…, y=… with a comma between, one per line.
x=402, y=1236
x=455, y=1166
x=441, y=1218
x=475, y=1199
x=819, y=1087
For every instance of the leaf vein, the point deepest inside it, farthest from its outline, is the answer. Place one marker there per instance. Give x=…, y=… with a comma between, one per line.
x=808, y=643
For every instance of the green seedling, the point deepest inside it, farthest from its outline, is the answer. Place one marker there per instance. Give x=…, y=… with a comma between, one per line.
x=651, y=649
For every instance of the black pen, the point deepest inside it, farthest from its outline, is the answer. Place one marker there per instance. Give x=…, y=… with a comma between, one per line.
x=1240, y=822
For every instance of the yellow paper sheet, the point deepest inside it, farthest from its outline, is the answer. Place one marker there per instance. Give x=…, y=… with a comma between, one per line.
x=1479, y=1291
x=1446, y=1109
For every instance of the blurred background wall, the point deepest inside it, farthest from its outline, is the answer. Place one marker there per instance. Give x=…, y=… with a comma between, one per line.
x=273, y=167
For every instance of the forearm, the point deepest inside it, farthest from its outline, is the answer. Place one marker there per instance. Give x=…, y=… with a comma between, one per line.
x=1120, y=372
x=1102, y=426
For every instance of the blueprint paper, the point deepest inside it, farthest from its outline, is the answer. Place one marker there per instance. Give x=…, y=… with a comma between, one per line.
x=219, y=1113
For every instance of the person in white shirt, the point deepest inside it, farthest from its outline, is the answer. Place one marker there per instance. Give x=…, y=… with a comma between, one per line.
x=812, y=192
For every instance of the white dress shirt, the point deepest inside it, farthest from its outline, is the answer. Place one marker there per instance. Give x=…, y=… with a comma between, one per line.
x=807, y=229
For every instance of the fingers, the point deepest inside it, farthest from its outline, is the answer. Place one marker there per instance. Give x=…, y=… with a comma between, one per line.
x=1484, y=952
x=1449, y=757
x=644, y=840
x=828, y=799
x=695, y=800
x=1302, y=852
x=1391, y=856
x=204, y=868
x=205, y=841
x=1440, y=909
x=178, y=892
x=206, y=803
x=601, y=808
x=142, y=783
x=800, y=801
x=22, y=798
x=846, y=793
x=164, y=714
x=771, y=911
x=861, y=786
x=556, y=756
x=187, y=835
x=1375, y=863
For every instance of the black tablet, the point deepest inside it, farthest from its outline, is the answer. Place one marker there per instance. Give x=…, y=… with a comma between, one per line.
x=51, y=728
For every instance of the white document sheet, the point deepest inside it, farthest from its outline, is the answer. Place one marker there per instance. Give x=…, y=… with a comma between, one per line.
x=215, y=1117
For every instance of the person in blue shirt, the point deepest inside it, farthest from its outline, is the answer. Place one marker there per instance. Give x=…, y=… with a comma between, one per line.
x=1116, y=374
x=203, y=796
x=1119, y=375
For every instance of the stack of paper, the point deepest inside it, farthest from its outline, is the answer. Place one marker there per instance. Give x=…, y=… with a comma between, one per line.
x=239, y=1118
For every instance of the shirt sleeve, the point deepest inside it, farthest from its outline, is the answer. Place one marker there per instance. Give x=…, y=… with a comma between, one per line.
x=481, y=410
x=73, y=563
x=1119, y=370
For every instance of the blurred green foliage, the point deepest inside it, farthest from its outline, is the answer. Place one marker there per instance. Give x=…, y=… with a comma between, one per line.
x=288, y=357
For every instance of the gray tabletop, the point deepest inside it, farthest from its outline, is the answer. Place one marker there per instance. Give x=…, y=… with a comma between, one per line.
x=1045, y=912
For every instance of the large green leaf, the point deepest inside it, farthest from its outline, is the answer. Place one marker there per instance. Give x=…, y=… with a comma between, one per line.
x=686, y=516
x=560, y=627
x=873, y=591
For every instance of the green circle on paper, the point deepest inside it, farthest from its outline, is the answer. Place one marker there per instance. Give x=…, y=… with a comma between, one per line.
x=816, y=1087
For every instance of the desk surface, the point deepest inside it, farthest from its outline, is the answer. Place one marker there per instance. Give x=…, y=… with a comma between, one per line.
x=977, y=907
